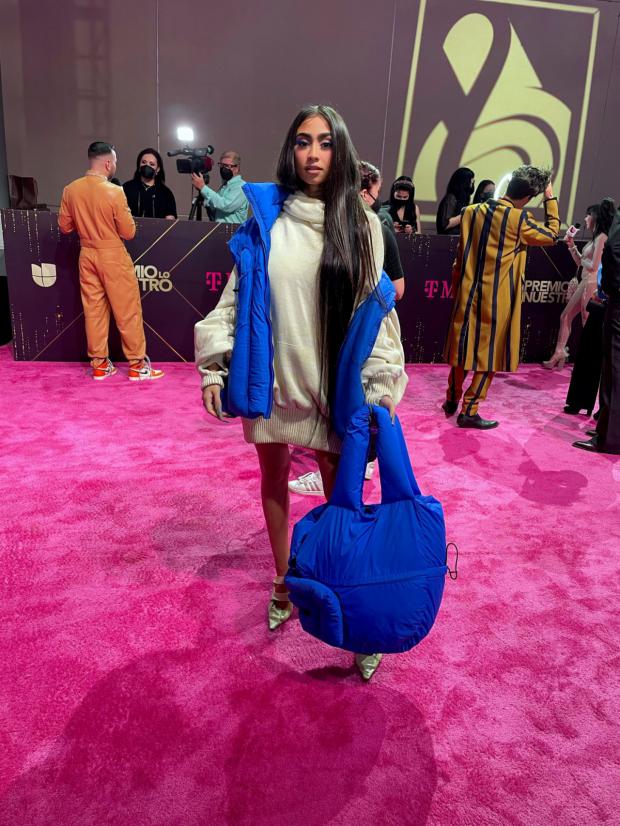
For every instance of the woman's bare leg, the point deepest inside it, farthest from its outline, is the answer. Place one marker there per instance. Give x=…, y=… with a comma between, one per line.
x=572, y=309
x=275, y=463
x=328, y=467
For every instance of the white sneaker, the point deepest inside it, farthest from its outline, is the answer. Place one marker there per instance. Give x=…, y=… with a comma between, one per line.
x=370, y=469
x=310, y=484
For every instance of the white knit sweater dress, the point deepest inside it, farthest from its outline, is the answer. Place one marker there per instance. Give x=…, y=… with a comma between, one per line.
x=299, y=415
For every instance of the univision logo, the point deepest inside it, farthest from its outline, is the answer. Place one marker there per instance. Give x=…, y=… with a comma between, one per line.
x=44, y=275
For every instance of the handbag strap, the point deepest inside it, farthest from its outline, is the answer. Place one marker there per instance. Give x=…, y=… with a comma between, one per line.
x=397, y=478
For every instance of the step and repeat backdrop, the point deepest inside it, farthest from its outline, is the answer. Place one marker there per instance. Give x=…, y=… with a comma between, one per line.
x=182, y=268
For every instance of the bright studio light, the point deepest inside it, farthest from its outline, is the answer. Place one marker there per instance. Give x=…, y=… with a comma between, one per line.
x=185, y=134
x=502, y=186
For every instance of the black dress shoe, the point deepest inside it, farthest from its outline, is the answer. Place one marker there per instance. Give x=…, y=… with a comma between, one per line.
x=475, y=421
x=572, y=410
x=591, y=433
x=449, y=408
x=589, y=445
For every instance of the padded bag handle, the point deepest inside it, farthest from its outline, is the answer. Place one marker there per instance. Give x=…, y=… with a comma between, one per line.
x=397, y=478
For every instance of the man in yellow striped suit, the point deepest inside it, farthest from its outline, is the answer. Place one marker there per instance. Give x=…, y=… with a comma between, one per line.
x=485, y=327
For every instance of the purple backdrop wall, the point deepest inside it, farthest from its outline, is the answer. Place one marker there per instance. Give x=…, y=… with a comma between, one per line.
x=132, y=72
x=182, y=268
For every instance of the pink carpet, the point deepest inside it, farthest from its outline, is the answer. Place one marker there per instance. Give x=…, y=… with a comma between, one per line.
x=140, y=686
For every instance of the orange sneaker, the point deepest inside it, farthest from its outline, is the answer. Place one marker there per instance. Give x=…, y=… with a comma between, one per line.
x=103, y=369
x=144, y=371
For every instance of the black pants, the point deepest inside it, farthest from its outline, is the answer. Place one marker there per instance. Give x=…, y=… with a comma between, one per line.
x=608, y=427
x=586, y=375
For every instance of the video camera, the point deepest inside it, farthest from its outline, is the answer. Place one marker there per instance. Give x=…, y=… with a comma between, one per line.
x=197, y=160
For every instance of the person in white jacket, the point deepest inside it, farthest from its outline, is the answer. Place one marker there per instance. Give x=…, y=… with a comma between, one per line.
x=326, y=257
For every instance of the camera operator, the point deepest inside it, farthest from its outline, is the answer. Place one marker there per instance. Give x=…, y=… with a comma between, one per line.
x=229, y=205
x=147, y=194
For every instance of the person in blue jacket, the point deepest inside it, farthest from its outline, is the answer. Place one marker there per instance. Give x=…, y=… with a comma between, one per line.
x=307, y=265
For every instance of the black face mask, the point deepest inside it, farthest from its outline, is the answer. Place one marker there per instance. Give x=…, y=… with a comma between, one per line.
x=147, y=172
x=226, y=174
x=376, y=204
x=401, y=201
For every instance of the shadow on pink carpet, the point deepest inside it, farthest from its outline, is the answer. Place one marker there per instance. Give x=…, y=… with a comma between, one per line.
x=140, y=686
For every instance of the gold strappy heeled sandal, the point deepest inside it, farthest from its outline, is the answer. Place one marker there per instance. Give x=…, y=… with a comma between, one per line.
x=367, y=664
x=280, y=607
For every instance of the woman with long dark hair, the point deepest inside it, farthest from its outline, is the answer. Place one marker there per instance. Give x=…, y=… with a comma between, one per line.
x=404, y=211
x=586, y=375
x=310, y=483
x=147, y=193
x=598, y=221
x=484, y=191
x=457, y=197
x=310, y=257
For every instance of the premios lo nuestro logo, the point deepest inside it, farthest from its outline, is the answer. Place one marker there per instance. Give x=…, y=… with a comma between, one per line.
x=153, y=280
x=508, y=96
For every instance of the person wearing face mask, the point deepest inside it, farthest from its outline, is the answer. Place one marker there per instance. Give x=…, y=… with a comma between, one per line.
x=484, y=191
x=403, y=209
x=228, y=205
x=458, y=194
x=147, y=194
x=97, y=210
x=371, y=182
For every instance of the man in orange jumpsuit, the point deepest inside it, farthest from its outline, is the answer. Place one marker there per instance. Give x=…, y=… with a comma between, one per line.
x=98, y=210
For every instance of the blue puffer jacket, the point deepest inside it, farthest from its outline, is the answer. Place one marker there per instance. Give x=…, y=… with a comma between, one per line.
x=249, y=387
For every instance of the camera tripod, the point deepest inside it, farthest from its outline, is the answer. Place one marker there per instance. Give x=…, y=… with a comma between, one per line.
x=195, y=213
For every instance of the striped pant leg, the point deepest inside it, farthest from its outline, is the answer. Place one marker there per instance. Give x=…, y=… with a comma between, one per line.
x=476, y=392
x=455, y=384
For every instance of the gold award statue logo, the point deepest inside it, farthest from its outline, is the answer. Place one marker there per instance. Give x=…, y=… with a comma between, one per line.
x=502, y=93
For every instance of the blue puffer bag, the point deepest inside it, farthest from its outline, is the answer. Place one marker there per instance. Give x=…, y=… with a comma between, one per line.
x=370, y=578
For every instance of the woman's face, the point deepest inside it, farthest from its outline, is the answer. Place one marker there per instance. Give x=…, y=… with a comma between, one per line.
x=149, y=160
x=589, y=222
x=401, y=195
x=489, y=189
x=313, y=153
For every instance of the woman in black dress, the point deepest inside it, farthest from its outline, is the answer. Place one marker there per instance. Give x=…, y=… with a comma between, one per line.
x=457, y=197
x=586, y=375
x=403, y=210
x=484, y=191
x=147, y=194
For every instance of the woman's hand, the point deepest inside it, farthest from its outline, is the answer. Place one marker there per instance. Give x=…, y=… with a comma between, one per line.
x=212, y=401
x=388, y=403
x=572, y=286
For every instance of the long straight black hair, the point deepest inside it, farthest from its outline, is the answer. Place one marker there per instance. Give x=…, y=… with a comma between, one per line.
x=603, y=215
x=479, y=195
x=459, y=185
x=346, y=269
